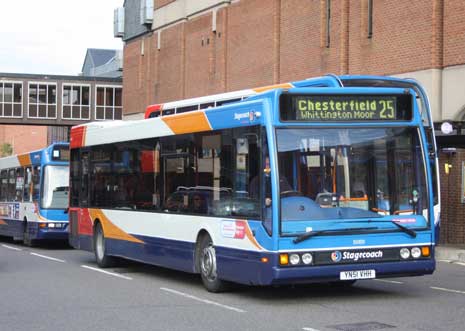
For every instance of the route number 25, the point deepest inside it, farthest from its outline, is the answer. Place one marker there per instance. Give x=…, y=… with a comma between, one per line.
x=387, y=109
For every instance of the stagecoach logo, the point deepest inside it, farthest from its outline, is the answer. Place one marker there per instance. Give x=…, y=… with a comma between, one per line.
x=336, y=256
x=356, y=256
x=242, y=116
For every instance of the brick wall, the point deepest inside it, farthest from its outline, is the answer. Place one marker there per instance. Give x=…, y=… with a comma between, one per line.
x=260, y=42
x=24, y=139
x=454, y=25
x=161, y=3
x=452, y=209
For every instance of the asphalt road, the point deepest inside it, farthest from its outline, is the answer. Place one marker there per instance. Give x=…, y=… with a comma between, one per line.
x=57, y=288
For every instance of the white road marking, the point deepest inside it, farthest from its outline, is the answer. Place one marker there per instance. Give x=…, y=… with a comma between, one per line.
x=202, y=300
x=388, y=281
x=48, y=258
x=309, y=329
x=447, y=290
x=452, y=262
x=12, y=248
x=107, y=272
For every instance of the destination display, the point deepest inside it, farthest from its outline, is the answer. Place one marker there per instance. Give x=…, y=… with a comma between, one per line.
x=315, y=108
x=60, y=153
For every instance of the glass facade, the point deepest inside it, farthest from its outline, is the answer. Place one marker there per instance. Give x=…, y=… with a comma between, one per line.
x=11, y=99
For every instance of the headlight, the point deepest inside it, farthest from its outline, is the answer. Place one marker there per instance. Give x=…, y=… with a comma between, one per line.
x=294, y=259
x=404, y=253
x=416, y=252
x=307, y=258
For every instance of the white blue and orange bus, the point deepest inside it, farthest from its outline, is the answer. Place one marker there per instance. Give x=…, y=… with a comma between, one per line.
x=34, y=195
x=311, y=181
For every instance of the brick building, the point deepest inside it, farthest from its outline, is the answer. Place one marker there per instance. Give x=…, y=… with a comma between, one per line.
x=59, y=101
x=177, y=49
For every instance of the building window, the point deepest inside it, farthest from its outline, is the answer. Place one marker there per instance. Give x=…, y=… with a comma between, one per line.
x=370, y=19
x=109, y=103
x=42, y=100
x=76, y=102
x=11, y=99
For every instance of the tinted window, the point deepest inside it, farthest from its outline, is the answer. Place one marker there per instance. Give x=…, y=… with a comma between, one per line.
x=214, y=173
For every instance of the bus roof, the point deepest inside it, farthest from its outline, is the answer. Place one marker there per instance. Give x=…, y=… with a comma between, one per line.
x=30, y=158
x=196, y=120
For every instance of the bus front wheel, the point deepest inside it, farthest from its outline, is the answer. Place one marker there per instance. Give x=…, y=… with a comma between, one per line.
x=27, y=241
x=208, y=267
x=103, y=260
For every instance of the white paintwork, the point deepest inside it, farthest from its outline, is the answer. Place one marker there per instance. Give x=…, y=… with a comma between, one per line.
x=104, y=132
x=175, y=227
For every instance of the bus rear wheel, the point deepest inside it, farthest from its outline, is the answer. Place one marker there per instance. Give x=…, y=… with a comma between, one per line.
x=208, y=267
x=27, y=241
x=103, y=260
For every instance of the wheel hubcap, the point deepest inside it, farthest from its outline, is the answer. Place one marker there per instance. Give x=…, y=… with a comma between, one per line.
x=208, y=263
x=99, y=245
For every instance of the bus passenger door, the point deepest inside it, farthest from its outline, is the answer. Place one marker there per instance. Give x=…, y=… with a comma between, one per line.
x=79, y=168
x=84, y=192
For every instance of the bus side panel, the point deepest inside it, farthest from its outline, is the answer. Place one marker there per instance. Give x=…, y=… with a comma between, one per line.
x=245, y=267
x=80, y=229
x=172, y=254
x=12, y=228
x=11, y=221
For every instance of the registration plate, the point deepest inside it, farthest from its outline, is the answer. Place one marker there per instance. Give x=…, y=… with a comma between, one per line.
x=357, y=274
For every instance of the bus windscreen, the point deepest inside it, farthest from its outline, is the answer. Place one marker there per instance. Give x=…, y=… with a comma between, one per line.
x=344, y=108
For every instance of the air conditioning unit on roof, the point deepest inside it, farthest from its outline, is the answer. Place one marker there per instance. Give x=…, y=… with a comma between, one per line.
x=146, y=11
x=118, y=22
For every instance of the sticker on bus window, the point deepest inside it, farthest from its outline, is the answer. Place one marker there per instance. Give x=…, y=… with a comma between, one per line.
x=233, y=229
x=405, y=220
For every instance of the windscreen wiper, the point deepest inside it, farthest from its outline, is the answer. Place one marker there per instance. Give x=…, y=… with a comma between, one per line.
x=408, y=231
x=310, y=234
x=405, y=229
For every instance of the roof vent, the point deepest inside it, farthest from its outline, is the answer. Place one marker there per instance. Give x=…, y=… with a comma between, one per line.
x=146, y=12
x=118, y=22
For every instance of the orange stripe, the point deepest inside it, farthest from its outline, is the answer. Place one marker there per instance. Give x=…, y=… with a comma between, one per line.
x=24, y=159
x=189, y=122
x=272, y=87
x=110, y=230
x=2, y=222
x=251, y=237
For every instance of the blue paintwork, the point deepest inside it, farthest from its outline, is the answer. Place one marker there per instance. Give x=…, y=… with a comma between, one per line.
x=44, y=158
x=15, y=228
x=173, y=254
x=54, y=214
x=235, y=115
x=245, y=266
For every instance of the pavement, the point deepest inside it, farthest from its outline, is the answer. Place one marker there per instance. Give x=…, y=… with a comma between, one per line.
x=455, y=253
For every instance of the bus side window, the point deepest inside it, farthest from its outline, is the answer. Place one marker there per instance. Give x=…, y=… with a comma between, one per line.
x=27, y=184
x=4, y=185
x=19, y=184
x=11, y=184
x=36, y=183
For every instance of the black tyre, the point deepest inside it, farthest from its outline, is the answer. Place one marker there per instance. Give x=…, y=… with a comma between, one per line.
x=27, y=241
x=103, y=260
x=207, y=266
x=343, y=283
